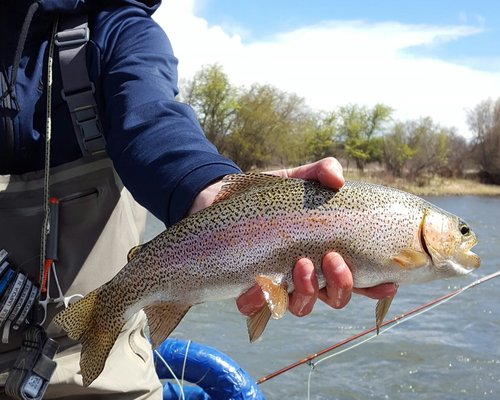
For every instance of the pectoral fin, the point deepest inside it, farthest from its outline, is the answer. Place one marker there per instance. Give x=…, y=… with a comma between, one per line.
x=163, y=318
x=275, y=294
x=410, y=258
x=276, y=297
x=381, y=311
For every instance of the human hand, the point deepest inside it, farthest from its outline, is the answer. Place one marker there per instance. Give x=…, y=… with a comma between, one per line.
x=338, y=277
x=206, y=197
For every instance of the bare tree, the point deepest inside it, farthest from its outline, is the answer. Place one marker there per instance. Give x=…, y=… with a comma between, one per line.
x=484, y=121
x=429, y=143
x=214, y=100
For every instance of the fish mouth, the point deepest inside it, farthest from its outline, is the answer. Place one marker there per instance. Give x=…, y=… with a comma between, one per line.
x=467, y=258
x=471, y=261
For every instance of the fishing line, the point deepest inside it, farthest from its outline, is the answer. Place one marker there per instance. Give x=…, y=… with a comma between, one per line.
x=394, y=321
x=172, y=373
x=184, y=363
x=398, y=322
x=313, y=365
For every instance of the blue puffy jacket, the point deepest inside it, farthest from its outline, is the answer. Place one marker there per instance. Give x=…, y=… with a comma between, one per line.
x=155, y=142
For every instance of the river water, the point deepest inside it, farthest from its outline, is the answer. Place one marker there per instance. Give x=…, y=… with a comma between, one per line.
x=449, y=352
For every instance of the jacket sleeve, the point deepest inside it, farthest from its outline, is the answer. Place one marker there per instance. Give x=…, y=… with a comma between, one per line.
x=156, y=144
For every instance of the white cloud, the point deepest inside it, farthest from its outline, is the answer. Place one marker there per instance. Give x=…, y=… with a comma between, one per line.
x=339, y=62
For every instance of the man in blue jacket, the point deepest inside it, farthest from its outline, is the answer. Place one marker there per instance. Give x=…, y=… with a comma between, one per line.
x=154, y=147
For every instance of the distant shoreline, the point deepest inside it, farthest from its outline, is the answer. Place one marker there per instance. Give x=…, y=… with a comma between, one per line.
x=436, y=186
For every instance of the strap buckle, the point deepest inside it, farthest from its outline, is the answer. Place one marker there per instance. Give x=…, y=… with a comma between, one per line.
x=82, y=106
x=72, y=37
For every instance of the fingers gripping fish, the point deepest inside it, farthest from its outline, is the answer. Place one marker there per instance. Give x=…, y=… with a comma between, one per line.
x=257, y=228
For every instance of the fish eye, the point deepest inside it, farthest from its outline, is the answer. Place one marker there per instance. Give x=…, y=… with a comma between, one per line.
x=464, y=229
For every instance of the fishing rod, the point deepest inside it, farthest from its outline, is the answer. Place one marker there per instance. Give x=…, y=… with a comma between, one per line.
x=397, y=319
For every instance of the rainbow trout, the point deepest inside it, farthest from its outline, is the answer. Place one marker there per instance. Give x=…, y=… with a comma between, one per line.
x=257, y=228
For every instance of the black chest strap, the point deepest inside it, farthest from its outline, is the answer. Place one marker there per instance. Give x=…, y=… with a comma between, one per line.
x=78, y=91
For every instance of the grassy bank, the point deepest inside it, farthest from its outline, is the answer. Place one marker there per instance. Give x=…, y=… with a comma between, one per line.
x=435, y=186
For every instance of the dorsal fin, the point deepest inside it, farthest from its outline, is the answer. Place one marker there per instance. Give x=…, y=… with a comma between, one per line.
x=133, y=252
x=240, y=183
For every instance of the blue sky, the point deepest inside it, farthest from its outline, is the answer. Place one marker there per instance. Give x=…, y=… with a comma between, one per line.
x=258, y=19
x=435, y=59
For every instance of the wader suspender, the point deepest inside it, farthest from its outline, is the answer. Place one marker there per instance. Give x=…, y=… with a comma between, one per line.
x=78, y=91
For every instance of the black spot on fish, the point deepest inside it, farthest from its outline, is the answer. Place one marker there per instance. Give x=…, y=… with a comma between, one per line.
x=315, y=196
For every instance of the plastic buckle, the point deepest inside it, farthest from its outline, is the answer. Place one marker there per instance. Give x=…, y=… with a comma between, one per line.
x=90, y=89
x=72, y=37
x=84, y=113
x=93, y=140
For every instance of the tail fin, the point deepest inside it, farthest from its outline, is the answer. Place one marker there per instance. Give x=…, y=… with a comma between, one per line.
x=82, y=322
x=77, y=317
